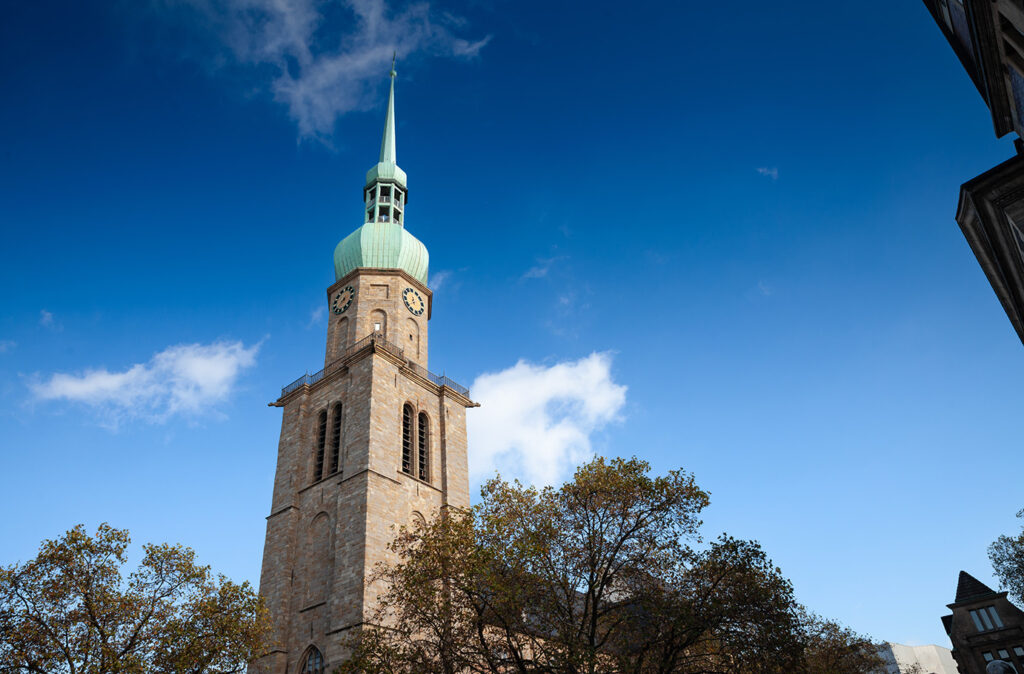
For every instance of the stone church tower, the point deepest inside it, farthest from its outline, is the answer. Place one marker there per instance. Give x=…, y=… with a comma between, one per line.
x=369, y=443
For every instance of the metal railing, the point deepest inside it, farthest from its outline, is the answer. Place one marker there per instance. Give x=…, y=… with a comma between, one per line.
x=379, y=339
x=438, y=379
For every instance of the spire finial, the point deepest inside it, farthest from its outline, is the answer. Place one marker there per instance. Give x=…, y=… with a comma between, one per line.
x=387, y=145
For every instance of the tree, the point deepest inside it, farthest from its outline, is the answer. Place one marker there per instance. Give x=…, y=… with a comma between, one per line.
x=603, y=574
x=71, y=610
x=834, y=649
x=1007, y=555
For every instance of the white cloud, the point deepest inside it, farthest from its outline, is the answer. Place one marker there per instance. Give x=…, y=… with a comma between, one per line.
x=187, y=379
x=772, y=172
x=535, y=423
x=47, y=320
x=765, y=289
x=438, y=279
x=322, y=71
x=6, y=345
x=541, y=269
x=316, y=317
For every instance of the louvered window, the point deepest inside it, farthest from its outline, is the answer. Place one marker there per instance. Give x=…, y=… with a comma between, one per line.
x=321, y=439
x=407, y=439
x=423, y=444
x=336, y=438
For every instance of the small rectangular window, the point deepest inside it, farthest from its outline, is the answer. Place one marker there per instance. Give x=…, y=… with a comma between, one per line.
x=995, y=616
x=977, y=621
x=1004, y=655
x=1018, y=651
x=988, y=657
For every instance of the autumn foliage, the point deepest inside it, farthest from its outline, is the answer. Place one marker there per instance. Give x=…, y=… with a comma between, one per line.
x=70, y=610
x=607, y=573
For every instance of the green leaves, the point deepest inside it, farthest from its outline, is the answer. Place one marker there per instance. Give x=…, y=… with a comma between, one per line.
x=1007, y=556
x=71, y=610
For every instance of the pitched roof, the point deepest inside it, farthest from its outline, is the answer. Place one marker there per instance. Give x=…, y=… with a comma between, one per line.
x=968, y=587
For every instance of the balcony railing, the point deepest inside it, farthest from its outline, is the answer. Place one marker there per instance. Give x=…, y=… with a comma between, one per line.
x=378, y=339
x=438, y=379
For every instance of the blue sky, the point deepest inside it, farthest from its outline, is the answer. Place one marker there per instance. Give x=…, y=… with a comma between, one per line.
x=716, y=236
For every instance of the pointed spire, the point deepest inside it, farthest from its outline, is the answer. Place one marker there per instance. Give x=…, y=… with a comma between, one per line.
x=968, y=587
x=387, y=144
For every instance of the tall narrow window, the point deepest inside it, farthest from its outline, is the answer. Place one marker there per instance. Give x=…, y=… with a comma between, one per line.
x=407, y=439
x=336, y=438
x=314, y=663
x=321, y=438
x=424, y=447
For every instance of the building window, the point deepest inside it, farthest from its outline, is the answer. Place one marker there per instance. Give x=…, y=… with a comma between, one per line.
x=986, y=619
x=314, y=663
x=407, y=439
x=424, y=447
x=336, y=438
x=321, y=440
x=988, y=657
x=1004, y=655
x=1018, y=651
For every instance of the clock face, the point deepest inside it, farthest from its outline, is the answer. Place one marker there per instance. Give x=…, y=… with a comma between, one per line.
x=343, y=299
x=413, y=301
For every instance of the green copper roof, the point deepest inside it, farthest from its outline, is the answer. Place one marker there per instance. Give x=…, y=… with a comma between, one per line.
x=387, y=165
x=384, y=245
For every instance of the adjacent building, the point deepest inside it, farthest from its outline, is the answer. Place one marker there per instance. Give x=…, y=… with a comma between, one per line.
x=929, y=659
x=984, y=626
x=988, y=38
x=371, y=442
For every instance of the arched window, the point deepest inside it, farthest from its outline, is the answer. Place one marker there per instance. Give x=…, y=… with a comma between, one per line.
x=378, y=321
x=318, y=559
x=321, y=439
x=423, y=444
x=407, y=417
x=412, y=331
x=340, y=337
x=335, y=438
x=314, y=662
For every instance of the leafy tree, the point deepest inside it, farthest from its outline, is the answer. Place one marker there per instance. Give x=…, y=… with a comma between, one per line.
x=71, y=610
x=603, y=574
x=831, y=648
x=1007, y=555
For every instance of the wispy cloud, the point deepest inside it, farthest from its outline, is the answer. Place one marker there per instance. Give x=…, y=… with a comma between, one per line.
x=186, y=379
x=765, y=289
x=438, y=279
x=47, y=320
x=6, y=345
x=772, y=172
x=316, y=317
x=541, y=268
x=535, y=423
x=324, y=59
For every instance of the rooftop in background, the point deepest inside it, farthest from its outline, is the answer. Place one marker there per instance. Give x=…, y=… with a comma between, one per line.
x=988, y=38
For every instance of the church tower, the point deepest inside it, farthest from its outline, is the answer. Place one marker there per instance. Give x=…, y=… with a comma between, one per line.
x=368, y=443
